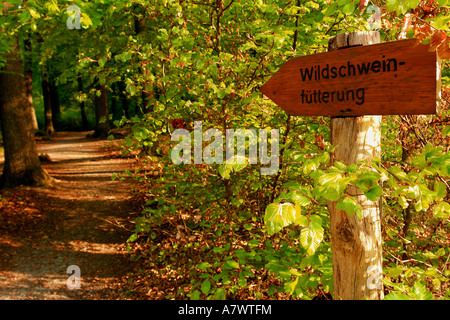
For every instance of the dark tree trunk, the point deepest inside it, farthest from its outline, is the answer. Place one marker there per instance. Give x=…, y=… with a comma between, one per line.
x=114, y=99
x=84, y=120
x=54, y=102
x=140, y=28
x=123, y=99
x=28, y=67
x=101, y=114
x=49, y=129
x=22, y=164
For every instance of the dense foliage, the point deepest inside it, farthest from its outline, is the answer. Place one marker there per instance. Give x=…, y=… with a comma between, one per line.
x=209, y=231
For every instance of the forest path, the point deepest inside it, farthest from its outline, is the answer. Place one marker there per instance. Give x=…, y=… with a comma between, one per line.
x=84, y=219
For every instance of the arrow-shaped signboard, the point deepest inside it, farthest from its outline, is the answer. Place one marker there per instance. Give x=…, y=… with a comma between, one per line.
x=390, y=78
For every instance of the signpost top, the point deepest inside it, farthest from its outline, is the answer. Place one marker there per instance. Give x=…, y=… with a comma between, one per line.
x=396, y=77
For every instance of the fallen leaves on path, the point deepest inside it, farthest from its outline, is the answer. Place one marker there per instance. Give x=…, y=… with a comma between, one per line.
x=83, y=220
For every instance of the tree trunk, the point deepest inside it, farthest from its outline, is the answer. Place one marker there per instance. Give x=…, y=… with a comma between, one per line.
x=101, y=114
x=49, y=129
x=84, y=120
x=356, y=242
x=114, y=100
x=123, y=99
x=141, y=29
x=54, y=103
x=28, y=67
x=22, y=164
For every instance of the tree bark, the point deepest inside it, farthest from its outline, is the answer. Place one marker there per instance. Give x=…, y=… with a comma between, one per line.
x=22, y=165
x=123, y=99
x=84, y=120
x=141, y=30
x=49, y=129
x=102, y=126
x=54, y=103
x=356, y=242
x=28, y=69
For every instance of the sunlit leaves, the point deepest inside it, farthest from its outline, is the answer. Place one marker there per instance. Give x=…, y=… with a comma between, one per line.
x=235, y=164
x=397, y=296
x=312, y=235
x=34, y=13
x=278, y=216
x=442, y=210
x=417, y=292
x=206, y=287
x=349, y=205
x=401, y=6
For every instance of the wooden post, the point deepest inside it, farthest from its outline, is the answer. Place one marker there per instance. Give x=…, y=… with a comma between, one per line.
x=356, y=242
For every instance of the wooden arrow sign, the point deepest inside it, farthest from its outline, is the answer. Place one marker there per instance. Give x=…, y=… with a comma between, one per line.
x=396, y=77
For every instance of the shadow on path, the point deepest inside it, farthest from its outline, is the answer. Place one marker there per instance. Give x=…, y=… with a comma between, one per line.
x=85, y=219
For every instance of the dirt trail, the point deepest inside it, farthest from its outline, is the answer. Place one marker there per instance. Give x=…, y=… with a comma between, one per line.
x=83, y=221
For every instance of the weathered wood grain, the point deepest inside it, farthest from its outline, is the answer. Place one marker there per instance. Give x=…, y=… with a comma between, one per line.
x=356, y=243
x=400, y=79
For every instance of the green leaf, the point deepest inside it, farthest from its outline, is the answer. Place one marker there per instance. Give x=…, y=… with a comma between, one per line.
x=232, y=264
x=85, y=20
x=394, y=272
x=34, y=13
x=340, y=166
x=420, y=161
x=304, y=238
x=301, y=221
x=420, y=292
x=203, y=265
x=315, y=218
x=278, y=216
x=195, y=295
x=446, y=131
x=367, y=180
x=391, y=5
x=206, y=286
x=300, y=199
x=348, y=8
x=52, y=7
x=311, y=237
x=399, y=6
x=431, y=151
x=331, y=9
x=292, y=185
x=332, y=177
x=398, y=173
x=236, y=163
x=224, y=172
x=349, y=205
x=412, y=4
x=397, y=296
x=131, y=89
x=328, y=193
x=440, y=190
x=132, y=238
x=220, y=294
x=373, y=193
x=442, y=210
x=403, y=202
x=101, y=62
